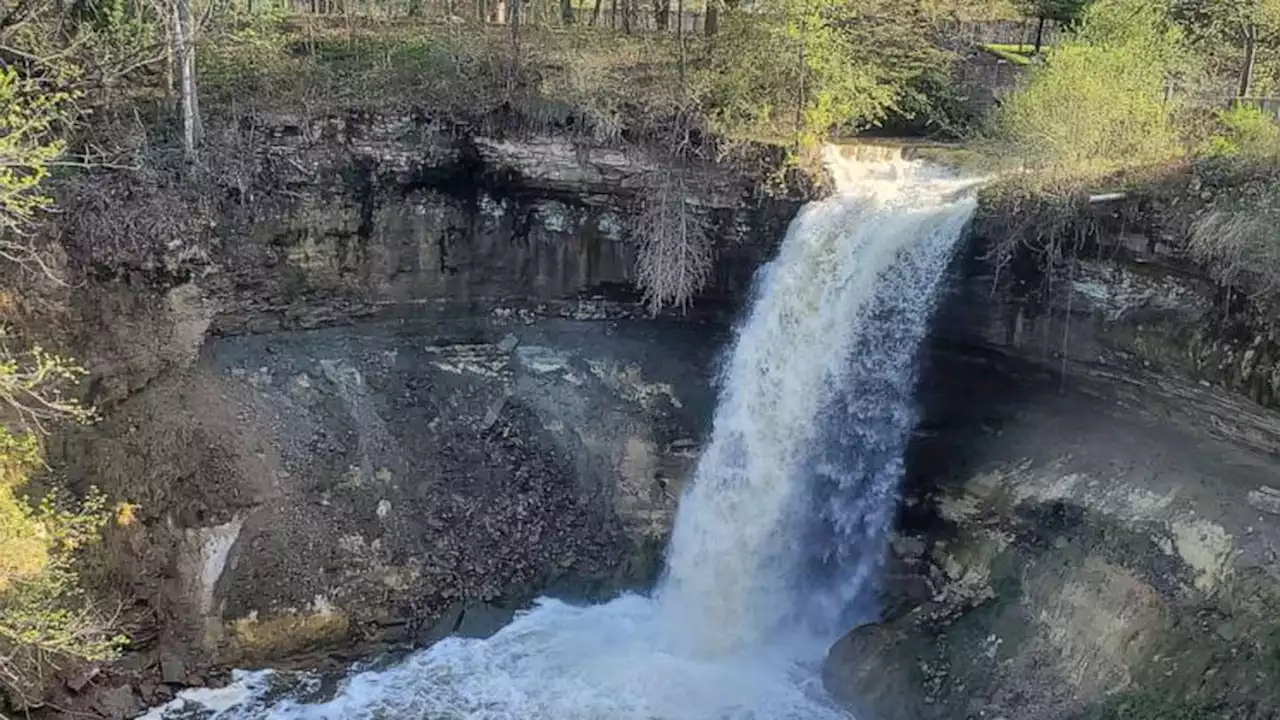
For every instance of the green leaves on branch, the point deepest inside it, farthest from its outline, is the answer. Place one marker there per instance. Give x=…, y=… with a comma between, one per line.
x=1100, y=98
x=28, y=116
x=1067, y=12
x=798, y=70
x=46, y=617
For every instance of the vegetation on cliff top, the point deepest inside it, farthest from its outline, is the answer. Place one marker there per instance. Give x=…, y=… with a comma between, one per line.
x=1137, y=100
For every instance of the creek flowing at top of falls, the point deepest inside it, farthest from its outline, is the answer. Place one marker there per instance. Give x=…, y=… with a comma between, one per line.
x=779, y=538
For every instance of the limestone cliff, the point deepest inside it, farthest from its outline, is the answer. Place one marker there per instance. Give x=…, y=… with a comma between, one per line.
x=1090, y=527
x=394, y=388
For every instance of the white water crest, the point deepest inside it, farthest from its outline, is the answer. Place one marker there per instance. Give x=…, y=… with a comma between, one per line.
x=780, y=536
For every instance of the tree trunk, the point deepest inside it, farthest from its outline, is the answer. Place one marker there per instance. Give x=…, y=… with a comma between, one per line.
x=595, y=13
x=661, y=14
x=566, y=12
x=800, y=99
x=627, y=7
x=185, y=50
x=1039, y=35
x=516, y=10
x=613, y=14
x=680, y=39
x=169, y=56
x=711, y=22
x=1250, y=59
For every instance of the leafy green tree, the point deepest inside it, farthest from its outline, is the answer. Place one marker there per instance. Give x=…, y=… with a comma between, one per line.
x=45, y=616
x=1099, y=99
x=800, y=69
x=970, y=10
x=30, y=114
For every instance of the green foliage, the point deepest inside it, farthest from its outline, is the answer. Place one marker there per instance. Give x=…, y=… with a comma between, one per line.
x=1099, y=99
x=1219, y=31
x=970, y=10
x=1067, y=12
x=29, y=115
x=790, y=71
x=801, y=69
x=1244, y=131
x=1016, y=54
x=45, y=616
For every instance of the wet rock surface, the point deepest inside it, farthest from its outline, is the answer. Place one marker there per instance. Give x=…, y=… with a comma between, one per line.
x=317, y=488
x=1091, y=551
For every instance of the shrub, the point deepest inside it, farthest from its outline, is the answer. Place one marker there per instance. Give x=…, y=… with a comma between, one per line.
x=46, y=618
x=1098, y=101
x=1244, y=131
x=1238, y=238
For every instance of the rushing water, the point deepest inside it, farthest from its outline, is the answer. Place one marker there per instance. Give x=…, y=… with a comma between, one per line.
x=777, y=542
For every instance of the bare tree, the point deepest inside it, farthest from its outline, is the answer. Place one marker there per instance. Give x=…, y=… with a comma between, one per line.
x=1250, y=58
x=515, y=9
x=680, y=40
x=661, y=14
x=675, y=257
x=184, y=46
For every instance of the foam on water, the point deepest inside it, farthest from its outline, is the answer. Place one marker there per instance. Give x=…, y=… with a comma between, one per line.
x=780, y=536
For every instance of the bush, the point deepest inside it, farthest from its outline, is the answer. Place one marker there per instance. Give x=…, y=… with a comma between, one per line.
x=1246, y=132
x=1098, y=101
x=46, y=618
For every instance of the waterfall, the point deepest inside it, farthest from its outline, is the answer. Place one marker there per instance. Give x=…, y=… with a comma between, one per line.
x=778, y=539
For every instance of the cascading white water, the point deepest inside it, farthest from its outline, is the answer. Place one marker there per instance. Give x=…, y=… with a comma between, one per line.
x=779, y=538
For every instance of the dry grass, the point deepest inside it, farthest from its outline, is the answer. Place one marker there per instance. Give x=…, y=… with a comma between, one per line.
x=1237, y=235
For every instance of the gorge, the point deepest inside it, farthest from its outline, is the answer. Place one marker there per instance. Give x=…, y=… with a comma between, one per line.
x=384, y=414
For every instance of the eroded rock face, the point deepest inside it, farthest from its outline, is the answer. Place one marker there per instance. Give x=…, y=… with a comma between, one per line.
x=1129, y=303
x=395, y=391
x=1090, y=550
x=361, y=216
x=316, y=487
